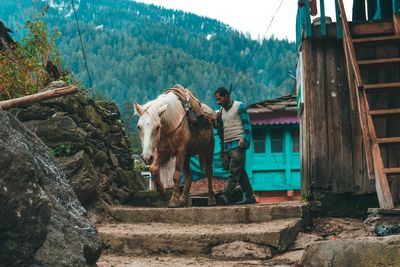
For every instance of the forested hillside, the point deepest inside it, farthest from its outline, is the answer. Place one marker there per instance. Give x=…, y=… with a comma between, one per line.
x=135, y=51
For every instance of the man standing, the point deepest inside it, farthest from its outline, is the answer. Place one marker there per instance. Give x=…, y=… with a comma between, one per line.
x=236, y=135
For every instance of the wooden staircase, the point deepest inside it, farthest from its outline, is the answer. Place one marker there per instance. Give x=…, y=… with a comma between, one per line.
x=367, y=85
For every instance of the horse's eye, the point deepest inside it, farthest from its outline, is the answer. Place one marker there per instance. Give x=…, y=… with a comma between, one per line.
x=138, y=127
x=157, y=127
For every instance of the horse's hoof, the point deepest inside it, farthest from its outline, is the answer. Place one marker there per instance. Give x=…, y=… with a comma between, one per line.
x=212, y=201
x=174, y=202
x=189, y=201
x=185, y=201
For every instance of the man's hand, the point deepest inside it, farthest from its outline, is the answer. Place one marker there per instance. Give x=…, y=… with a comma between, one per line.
x=242, y=143
x=218, y=114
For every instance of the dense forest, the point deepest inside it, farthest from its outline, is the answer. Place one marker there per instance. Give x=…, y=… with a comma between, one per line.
x=135, y=51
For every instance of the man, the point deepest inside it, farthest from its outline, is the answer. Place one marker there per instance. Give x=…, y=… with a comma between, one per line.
x=236, y=135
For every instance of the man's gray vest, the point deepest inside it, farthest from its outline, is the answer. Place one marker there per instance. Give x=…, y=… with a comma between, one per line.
x=233, y=127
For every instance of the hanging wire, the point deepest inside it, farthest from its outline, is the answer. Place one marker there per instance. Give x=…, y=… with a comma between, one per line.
x=255, y=50
x=83, y=50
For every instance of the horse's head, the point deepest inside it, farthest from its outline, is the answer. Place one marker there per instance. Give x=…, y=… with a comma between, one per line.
x=149, y=126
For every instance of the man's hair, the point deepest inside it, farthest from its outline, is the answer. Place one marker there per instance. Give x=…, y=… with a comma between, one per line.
x=222, y=91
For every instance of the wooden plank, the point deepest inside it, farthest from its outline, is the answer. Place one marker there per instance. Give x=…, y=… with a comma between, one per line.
x=362, y=112
x=391, y=171
x=374, y=41
x=384, y=113
x=30, y=99
x=331, y=116
x=306, y=176
x=381, y=87
x=379, y=63
x=388, y=140
x=322, y=62
x=371, y=28
x=345, y=113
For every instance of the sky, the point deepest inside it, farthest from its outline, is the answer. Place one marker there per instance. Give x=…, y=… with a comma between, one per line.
x=252, y=16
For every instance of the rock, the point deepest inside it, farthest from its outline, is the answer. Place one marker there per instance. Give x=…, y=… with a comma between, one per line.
x=42, y=221
x=55, y=85
x=99, y=158
x=58, y=130
x=34, y=112
x=89, y=113
x=363, y=252
x=113, y=159
x=303, y=240
x=82, y=176
x=241, y=250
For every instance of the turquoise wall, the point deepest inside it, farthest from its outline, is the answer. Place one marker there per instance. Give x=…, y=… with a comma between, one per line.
x=269, y=170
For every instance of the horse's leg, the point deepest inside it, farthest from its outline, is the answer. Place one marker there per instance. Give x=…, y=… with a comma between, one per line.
x=209, y=173
x=180, y=157
x=185, y=199
x=209, y=157
x=155, y=173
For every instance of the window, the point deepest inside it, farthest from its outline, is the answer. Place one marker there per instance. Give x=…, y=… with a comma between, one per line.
x=259, y=140
x=296, y=140
x=277, y=140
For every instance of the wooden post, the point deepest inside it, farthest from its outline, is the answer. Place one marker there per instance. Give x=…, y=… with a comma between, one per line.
x=29, y=99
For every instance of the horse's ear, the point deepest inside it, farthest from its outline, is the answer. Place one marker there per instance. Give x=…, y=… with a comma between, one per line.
x=162, y=110
x=138, y=109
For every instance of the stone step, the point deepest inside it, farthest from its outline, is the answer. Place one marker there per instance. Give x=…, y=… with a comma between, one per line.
x=209, y=215
x=107, y=260
x=149, y=238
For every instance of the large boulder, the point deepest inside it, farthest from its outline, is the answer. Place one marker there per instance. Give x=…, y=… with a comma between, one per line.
x=360, y=252
x=42, y=222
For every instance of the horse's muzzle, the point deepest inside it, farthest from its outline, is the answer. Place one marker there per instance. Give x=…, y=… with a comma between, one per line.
x=148, y=159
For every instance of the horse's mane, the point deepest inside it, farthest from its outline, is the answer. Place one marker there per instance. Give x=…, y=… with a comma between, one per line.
x=174, y=112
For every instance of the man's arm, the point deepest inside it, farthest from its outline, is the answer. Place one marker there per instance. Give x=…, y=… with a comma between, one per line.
x=244, y=116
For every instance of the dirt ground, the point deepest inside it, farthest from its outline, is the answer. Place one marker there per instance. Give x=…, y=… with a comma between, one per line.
x=321, y=229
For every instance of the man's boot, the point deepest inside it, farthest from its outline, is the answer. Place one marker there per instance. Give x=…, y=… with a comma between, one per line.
x=228, y=194
x=248, y=200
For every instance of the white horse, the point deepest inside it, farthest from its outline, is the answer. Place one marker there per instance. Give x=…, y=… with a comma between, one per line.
x=166, y=136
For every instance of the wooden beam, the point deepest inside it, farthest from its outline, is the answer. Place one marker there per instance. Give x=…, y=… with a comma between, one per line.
x=373, y=41
x=371, y=28
x=388, y=140
x=385, y=113
x=377, y=63
x=381, y=87
x=391, y=170
x=362, y=113
x=30, y=99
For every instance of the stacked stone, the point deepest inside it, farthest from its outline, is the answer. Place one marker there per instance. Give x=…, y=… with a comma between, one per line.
x=89, y=141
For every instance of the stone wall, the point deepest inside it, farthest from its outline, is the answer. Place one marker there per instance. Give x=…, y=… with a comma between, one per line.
x=89, y=141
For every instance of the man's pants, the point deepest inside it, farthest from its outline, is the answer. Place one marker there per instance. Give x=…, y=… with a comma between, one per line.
x=237, y=173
